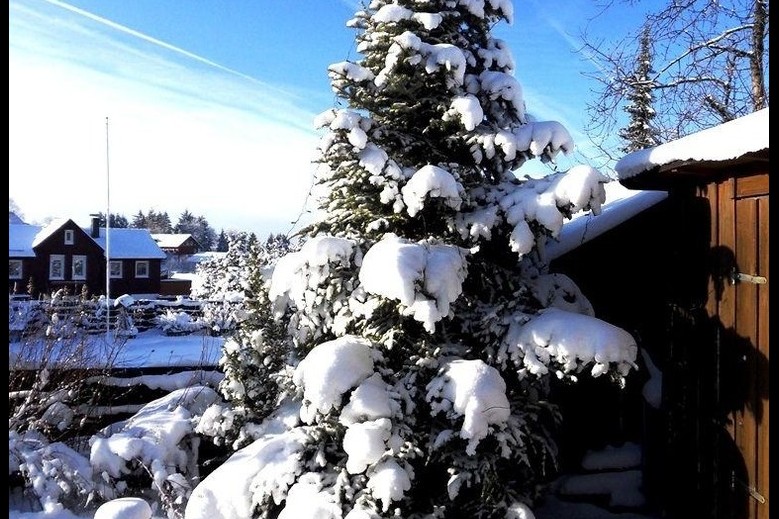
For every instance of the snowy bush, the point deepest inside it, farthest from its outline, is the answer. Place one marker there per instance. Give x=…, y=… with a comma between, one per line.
x=223, y=317
x=153, y=454
x=178, y=323
x=57, y=475
x=52, y=399
x=158, y=445
x=124, y=325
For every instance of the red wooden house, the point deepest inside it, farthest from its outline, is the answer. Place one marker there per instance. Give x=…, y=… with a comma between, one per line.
x=177, y=245
x=62, y=254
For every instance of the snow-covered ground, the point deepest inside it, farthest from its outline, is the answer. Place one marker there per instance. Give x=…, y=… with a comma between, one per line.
x=62, y=514
x=152, y=348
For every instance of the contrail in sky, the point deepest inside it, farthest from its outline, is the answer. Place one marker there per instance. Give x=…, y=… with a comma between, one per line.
x=576, y=45
x=155, y=41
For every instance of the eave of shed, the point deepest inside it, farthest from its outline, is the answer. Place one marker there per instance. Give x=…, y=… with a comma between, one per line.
x=729, y=149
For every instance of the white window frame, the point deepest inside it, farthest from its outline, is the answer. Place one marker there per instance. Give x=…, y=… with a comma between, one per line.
x=138, y=265
x=111, y=266
x=54, y=258
x=15, y=269
x=75, y=260
x=69, y=236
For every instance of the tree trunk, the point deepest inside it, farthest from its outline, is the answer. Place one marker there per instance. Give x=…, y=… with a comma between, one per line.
x=756, y=59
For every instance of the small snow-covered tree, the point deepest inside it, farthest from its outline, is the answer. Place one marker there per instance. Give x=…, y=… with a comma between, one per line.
x=222, y=277
x=254, y=356
x=222, y=283
x=221, y=242
x=422, y=323
x=640, y=132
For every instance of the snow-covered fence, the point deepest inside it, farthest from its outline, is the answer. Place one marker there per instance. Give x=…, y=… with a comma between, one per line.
x=179, y=316
x=183, y=316
x=65, y=316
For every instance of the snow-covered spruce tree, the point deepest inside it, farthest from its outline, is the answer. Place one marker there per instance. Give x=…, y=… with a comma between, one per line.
x=255, y=355
x=640, y=132
x=207, y=274
x=222, y=283
x=221, y=277
x=424, y=327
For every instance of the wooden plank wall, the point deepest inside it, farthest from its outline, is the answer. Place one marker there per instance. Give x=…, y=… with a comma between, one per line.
x=739, y=224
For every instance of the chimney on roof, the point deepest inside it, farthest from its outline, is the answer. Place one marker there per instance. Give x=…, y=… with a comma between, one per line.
x=95, y=226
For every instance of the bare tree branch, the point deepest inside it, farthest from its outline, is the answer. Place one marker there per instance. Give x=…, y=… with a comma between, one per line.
x=710, y=59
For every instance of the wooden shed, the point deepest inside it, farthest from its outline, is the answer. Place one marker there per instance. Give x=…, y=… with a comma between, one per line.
x=682, y=264
x=715, y=423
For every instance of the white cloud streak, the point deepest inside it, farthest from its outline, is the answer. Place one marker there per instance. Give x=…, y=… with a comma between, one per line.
x=576, y=45
x=145, y=37
x=185, y=132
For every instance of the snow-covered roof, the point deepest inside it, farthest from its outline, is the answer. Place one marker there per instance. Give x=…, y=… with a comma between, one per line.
x=47, y=230
x=170, y=240
x=725, y=142
x=125, y=243
x=185, y=276
x=130, y=244
x=207, y=255
x=20, y=238
x=622, y=204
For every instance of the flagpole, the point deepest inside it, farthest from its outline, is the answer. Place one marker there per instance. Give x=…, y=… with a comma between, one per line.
x=107, y=236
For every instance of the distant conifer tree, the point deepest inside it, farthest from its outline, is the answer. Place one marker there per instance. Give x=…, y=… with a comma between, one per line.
x=640, y=132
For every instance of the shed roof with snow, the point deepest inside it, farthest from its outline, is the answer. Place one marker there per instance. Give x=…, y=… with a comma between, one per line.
x=737, y=142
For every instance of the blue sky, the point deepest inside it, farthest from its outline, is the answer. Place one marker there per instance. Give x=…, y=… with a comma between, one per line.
x=208, y=105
